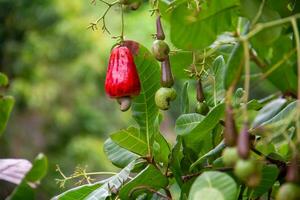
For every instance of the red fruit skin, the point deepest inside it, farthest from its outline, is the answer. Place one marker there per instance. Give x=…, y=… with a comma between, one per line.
x=121, y=77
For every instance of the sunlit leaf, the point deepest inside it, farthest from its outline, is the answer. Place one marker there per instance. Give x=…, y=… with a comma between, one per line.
x=150, y=177
x=192, y=30
x=118, y=155
x=213, y=185
x=131, y=139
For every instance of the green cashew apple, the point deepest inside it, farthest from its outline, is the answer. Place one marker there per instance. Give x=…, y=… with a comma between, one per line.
x=248, y=171
x=288, y=191
x=230, y=156
x=160, y=50
x=202, y=108
x=163, y=96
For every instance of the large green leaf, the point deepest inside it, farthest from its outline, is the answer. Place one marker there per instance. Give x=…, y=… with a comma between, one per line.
x=234, y=66
x=203, y=129
x=190, y=30
x=150, y=177
x=26, y=188
x=118, y=155
x=132, y=140
x=187, y=122
x=180, y=61
x=217, y=91
x=249, y=9
x=213, y=185
x=284, y=75
x=268, y=111
x=78, y=193
x=285, y=114
x=144, y=110
x=6, y=105
x=269, y=177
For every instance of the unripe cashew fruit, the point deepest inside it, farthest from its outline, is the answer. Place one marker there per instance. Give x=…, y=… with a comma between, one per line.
x=202, y=108
x=230, y=156
x=288, y=191
x=248, y=171
x=160, y=50
x=163, y=96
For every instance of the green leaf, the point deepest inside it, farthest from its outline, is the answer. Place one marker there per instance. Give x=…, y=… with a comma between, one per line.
x=268, y=111
x=119, y=156
x=217, y=71
x=284, y=76
x=269, y=176
x=150, y=177
x=191, y=30
x=213, y=185
x=284, y=115
x=203, y=129
x=3, y=79
x=234, y=66
x=254, y=104
x=161, y=149
x=175, y=160
x=184, y=99
x=144, y=110
x=6, y=106
x=132, y=140
x=180, y=61
x=187, y=122
x=25, y=190
x=215, y=151
x=249, y=9
x=78, y=193
x=114, y=182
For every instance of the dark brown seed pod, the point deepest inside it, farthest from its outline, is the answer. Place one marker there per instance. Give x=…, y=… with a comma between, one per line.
x=292, y=174
x=200, y=93
x=230, y=132
x=166, y=74
x=159, y=29
x=244, y=143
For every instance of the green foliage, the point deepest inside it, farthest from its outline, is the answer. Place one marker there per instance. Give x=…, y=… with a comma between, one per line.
x=26, y=188
x=204, y=26
x=244, y=52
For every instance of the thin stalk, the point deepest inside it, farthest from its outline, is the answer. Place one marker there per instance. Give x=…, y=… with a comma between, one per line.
x=297, y=40
x=261, y=26
x=258, y=14
x=247, y=78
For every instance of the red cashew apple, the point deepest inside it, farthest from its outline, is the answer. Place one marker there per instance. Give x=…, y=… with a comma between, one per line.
x=122, y=80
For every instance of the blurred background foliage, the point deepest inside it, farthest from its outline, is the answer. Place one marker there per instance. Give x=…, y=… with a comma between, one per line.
x=56, y=68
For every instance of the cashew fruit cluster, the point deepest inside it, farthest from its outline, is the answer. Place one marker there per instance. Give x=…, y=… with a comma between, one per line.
x=161, y=50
